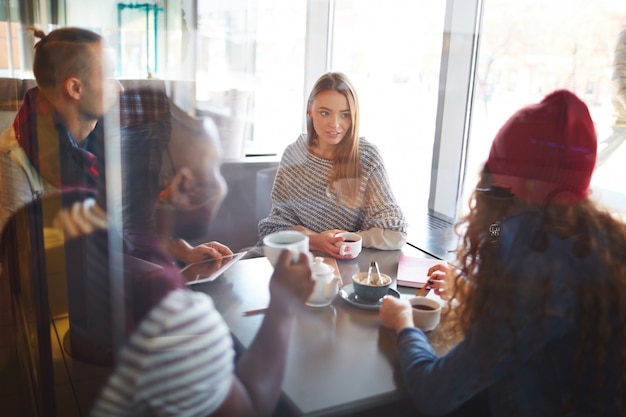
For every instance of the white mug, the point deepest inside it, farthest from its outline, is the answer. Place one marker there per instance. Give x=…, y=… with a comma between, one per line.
x=351, y=246
x=291, y=240
x=428, y=316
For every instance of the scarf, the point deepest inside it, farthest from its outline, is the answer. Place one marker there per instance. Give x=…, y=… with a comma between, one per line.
x=50, y=147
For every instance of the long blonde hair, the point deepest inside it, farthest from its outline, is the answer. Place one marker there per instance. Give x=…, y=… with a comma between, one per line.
x=344, y=178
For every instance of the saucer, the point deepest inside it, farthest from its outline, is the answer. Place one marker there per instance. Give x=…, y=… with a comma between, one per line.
x=347, y=293
x=320, y=304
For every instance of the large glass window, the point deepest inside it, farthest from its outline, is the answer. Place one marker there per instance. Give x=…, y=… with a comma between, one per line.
x=392, y=54
x=10, y=40
x=250, y=72
x=141, y=28
x=531, y=48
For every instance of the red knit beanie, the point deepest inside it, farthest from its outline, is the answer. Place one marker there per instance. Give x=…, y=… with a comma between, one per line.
x=546, y=152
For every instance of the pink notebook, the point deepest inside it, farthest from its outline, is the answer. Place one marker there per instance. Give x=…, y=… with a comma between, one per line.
x=412, y=271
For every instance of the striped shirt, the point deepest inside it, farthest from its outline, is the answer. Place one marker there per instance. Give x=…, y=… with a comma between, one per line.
x=301, y=195
x=179, y=362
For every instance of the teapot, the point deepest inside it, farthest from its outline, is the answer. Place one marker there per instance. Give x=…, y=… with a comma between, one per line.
x=326, y=284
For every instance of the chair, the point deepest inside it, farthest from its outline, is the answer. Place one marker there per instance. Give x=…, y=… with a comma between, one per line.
x=264, y=184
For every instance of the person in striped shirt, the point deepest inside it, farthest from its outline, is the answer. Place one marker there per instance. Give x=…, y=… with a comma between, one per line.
x=331, y=180
x=178, y=358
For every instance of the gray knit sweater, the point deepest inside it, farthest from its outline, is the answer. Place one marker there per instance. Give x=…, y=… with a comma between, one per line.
x=301, y=196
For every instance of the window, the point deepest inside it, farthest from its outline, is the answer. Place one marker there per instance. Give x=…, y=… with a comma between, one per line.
x=526, y=52
x=250, y=72
x=392, y=54
x=10, y=40
x=140, y=42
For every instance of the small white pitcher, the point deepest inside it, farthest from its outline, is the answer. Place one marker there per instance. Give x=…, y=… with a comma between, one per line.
x=326, y=284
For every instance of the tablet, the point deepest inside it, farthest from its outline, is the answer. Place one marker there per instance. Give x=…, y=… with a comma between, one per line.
x=210, y=269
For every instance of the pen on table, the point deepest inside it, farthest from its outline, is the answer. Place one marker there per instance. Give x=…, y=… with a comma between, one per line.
x=421, y=290
x=254, y=312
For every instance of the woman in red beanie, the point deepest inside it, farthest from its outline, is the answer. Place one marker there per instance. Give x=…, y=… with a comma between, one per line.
x=541, y=289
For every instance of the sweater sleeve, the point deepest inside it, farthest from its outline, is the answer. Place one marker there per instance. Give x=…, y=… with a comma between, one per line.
x=381, y=210
x=383, y=239
x=439, y=385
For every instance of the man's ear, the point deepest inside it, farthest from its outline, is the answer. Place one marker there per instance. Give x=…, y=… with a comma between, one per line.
x=73, y=88
x=182, y=188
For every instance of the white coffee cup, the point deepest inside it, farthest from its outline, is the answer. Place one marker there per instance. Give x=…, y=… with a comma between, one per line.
x=426, y=312
x=351, y=246
x=291, y=240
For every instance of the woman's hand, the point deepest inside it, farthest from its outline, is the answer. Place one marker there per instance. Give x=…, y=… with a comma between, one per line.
x=396, y=314
x=437, y=277
x=324, y=241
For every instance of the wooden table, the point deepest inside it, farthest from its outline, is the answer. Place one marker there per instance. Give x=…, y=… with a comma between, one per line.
x=341, y=360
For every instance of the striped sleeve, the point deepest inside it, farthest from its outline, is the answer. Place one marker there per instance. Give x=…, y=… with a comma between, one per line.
x=179, y=362
x=380, y=207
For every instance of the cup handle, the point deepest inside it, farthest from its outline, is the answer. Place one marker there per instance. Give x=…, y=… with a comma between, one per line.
x=342, y=250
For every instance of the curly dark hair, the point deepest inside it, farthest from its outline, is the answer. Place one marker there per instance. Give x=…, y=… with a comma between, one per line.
x=487, y=280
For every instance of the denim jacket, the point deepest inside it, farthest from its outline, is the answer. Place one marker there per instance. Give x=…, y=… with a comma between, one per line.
x=524, y=362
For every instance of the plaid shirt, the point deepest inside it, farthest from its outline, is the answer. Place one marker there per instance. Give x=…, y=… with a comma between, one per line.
x=143, y=101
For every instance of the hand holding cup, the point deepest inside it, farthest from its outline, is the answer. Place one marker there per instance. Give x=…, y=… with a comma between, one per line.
x=295, y=242
x=351, y=245
x=292, y=283
x=396, y=313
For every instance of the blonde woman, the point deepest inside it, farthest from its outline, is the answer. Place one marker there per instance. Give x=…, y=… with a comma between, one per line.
x=331, y=180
